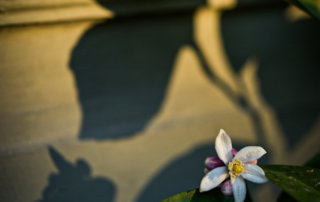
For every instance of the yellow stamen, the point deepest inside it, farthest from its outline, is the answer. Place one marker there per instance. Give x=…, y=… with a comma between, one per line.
x=235, y=167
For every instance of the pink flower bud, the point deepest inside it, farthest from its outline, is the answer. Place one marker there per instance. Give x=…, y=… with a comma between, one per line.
x=212, y=162
x=234, y=151
x=226, y=188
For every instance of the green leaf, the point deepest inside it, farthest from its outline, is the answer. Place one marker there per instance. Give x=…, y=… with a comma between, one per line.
x=194, y=195
x=310, y=6
x=314, y=162
x=302, y=183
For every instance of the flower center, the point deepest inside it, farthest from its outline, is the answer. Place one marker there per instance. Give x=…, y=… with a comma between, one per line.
x=235, y=167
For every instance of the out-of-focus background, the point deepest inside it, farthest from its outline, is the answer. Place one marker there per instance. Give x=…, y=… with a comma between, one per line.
x=121, y=101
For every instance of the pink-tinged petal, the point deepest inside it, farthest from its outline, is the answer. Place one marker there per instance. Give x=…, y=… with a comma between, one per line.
x=253, y=162
x=250, y=153
x=254, y=173
x=213, y=178
x=239, y=189
x=224, y=147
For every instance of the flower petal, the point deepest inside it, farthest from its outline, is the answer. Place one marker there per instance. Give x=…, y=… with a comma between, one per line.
x=224, y=147
x=254, y=173
x=250, y=153
x=213, y=178
x=239, y=189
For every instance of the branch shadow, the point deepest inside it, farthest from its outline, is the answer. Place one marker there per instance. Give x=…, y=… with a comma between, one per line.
x=288, y=63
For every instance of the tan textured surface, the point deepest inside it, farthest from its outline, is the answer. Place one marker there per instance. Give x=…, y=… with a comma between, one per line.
x=38, y=96
x=34, y=12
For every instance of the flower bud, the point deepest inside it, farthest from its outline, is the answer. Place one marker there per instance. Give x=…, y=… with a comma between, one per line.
x=226, y=188
x=212, y=162
x=234, y=151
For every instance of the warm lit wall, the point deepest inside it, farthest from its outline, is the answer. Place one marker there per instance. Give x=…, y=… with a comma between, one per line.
x=96, y=107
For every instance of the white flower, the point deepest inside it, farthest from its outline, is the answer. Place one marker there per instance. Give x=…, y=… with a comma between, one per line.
x=237, y=167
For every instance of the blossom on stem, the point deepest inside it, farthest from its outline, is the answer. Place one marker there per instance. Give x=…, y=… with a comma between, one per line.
x=238, y=167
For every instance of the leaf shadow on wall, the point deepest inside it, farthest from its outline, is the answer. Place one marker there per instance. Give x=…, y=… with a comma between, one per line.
x=122, y=68
x=288, y=55
x=75, y=183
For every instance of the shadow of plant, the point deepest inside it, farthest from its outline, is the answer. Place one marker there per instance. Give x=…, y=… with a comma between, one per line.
x=177, y=176
x=288, y=63
x=75, y=183
x=122, y=68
